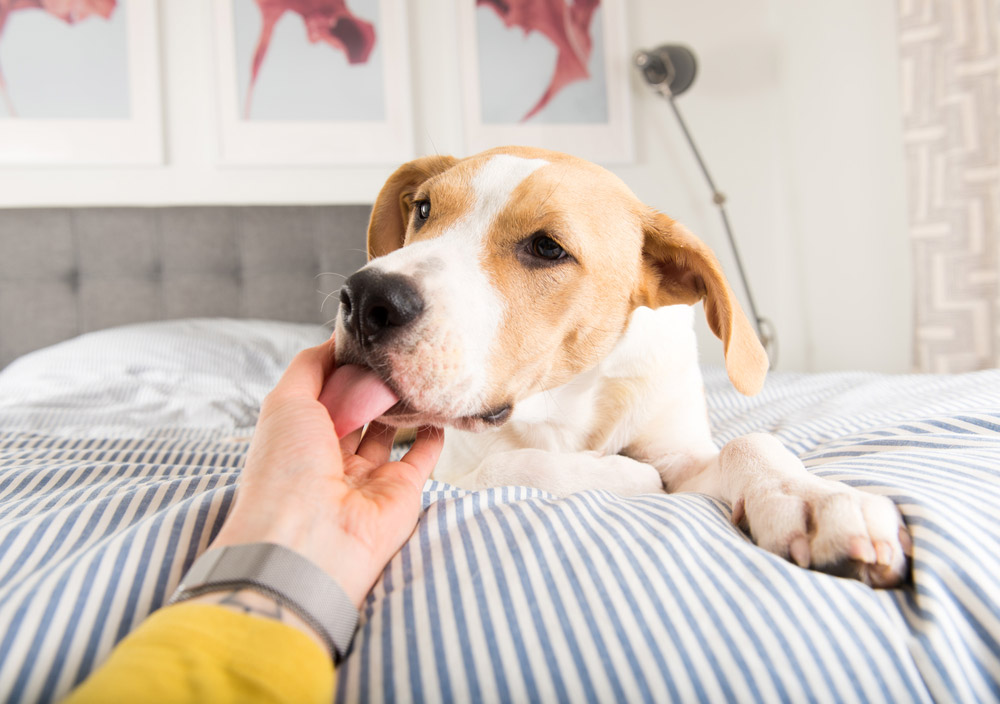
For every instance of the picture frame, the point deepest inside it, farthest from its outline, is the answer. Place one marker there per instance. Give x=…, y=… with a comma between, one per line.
x=307, y=139
x=487, y=51
x=135, y=138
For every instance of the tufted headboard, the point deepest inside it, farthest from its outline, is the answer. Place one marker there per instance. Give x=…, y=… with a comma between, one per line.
x=66, y=271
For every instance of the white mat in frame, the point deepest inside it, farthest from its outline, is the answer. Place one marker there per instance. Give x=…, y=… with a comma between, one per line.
x=607, y=139
x=309, y=141
x=133, y=140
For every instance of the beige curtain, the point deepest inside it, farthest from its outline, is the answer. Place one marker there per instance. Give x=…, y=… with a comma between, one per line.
x=950, y=73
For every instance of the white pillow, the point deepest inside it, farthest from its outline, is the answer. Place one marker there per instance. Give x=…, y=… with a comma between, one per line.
x=195, y=374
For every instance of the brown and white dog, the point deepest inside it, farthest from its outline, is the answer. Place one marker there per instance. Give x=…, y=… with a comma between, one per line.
x=528, y=300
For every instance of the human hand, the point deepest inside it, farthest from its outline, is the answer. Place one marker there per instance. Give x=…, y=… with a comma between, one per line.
x=341, y=504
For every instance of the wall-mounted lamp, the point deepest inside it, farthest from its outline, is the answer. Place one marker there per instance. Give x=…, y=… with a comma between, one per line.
x=670, y=70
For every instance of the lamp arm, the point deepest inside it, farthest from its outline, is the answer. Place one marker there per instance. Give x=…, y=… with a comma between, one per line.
x=764, y=328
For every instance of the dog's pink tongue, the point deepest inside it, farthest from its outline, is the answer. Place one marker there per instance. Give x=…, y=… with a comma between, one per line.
x=355, y=396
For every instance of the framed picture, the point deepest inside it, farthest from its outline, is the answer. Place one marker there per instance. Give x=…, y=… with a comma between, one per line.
x=305, y=82
x=80, y=83
x=553, y=77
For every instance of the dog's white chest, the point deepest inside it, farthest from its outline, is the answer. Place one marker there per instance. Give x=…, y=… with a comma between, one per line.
x=601, y=409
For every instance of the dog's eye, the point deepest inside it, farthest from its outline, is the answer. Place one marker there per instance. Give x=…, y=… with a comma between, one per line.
x=423, y=209
x=544, y=247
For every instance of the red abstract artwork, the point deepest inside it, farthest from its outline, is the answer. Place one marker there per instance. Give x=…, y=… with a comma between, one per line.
x=564, y=23
x=326, y=21
x=69, y=11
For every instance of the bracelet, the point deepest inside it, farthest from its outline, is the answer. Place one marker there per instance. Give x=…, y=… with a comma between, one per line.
x=282, y=574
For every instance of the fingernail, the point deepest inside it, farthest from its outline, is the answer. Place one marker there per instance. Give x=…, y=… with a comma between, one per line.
x=906, y=541
x=738, y=512
x=799, y=550
x=860, y=548
x=883, y=553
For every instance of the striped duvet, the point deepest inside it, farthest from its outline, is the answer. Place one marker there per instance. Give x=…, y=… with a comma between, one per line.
x=107, y=494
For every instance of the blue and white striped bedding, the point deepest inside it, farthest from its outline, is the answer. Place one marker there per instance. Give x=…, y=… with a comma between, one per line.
x=508, y=594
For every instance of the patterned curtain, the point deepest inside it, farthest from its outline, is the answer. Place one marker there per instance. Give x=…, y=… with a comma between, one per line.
x=950, y=64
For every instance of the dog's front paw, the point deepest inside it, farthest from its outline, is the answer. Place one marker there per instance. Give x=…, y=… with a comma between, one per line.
x=629, y=477
x=829, y=527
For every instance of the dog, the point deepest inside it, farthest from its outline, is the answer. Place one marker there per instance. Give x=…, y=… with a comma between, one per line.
x=528, y=300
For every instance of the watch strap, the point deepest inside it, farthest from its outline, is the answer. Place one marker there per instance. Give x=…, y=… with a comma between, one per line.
x=283, y=574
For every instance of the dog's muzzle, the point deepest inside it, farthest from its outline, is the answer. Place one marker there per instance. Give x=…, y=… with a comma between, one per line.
x=376, y=305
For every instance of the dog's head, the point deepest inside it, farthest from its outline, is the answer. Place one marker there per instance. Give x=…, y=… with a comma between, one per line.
x=507, y=273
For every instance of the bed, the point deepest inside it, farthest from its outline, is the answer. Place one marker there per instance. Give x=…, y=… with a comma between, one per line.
x=120, y=449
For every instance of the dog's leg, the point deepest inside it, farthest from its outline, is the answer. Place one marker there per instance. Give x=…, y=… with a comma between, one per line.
x=812, y=521
x=563, y=473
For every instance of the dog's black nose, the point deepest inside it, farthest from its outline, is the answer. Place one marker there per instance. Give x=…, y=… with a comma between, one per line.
x=375, y=304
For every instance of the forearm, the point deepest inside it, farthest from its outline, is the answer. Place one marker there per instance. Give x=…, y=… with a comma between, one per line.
x=207, y=650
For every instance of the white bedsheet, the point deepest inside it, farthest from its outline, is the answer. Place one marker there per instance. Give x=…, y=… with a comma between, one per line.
x=111, y=484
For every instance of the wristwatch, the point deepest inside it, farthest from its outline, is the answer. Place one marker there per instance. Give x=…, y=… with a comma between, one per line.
x=284, y=575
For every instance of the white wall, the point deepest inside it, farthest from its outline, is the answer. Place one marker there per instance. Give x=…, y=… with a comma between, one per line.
x=795, y=108
x=796, y=111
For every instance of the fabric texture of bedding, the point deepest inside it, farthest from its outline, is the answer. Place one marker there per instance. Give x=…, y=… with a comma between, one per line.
x=110, y=485
x=197, y=374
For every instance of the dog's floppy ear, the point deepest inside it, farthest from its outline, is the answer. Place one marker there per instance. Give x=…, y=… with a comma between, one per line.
x=391, y=213
x=680, y=268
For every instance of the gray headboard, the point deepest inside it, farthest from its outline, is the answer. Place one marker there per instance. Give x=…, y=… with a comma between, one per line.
x=66, y=271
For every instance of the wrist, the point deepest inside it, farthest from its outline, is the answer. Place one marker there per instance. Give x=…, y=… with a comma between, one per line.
x=339, y=555
x=254, y=603
x=285, y=576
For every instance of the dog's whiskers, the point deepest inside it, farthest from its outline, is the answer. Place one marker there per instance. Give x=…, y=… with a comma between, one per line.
x=326, y=298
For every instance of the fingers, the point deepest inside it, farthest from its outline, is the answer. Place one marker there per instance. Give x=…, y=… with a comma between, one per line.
x=307, y=373
x=376, y=445
x=403, y=480
x=426, y=450
x=349, y=443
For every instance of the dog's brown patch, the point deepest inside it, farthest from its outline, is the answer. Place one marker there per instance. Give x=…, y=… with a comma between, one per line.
x=561, y=318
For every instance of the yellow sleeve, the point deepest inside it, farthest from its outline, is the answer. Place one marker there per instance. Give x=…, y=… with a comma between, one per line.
x=208, y=653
